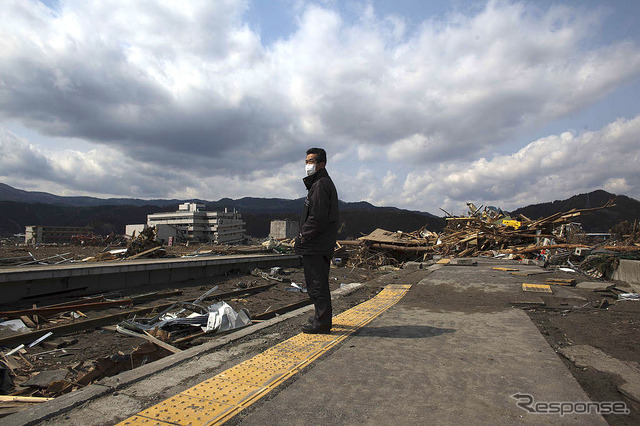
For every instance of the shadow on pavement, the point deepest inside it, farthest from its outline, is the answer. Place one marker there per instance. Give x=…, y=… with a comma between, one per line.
x=403, y=331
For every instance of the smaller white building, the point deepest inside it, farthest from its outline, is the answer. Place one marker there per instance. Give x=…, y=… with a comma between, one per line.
x=134, y=230
x=38, y=234
x=280, y=229
x=164, y=233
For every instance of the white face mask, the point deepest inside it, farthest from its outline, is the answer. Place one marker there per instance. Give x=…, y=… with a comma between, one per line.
x=310, y=169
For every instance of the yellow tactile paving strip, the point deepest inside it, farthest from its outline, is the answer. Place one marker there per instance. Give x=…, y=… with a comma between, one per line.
x=539, y=288
x=218, y=399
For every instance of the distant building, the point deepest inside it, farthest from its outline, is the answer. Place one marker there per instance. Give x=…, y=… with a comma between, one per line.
x=39, y=234
x=280, y=229
x=134, y=230
x=192, y=223
x=163, y=232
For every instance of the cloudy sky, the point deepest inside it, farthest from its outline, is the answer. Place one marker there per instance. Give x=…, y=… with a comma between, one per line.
x=419, y=104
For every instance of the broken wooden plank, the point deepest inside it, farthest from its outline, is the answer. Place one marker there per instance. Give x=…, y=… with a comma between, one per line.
x=528, y=302
x=27, y=321
x=7, y=398
x=528, y=274
x=561, y=281
x=10, y=362
x=145, y=253
x=77, y=302
x=58, y=309
x=150, y=338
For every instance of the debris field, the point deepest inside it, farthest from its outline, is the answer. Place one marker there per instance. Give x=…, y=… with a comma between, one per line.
x=83, y=339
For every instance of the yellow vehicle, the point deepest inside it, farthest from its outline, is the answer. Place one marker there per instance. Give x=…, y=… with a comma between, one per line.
x=510, y=222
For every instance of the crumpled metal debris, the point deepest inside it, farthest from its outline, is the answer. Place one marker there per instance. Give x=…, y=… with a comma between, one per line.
x=13, y=326
x=214, y=318
x=223, y=317
x=629, y=296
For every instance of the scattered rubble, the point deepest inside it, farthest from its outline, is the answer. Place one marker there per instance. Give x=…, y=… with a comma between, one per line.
x=144, y=244
x=490, y=232
x=88, y=340
x=182, y=320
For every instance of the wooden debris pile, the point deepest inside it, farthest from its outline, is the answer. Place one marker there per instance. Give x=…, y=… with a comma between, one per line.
x=144, y=245
x=25, y=369
x=484, y=232
x=626, y=233
x=224, y=249
x=87, y=239
x=383, y=248
x=111, y=365
x=23, y=381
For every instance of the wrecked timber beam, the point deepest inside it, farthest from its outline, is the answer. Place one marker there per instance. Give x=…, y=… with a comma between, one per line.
x=65, y=308
x=409, y=249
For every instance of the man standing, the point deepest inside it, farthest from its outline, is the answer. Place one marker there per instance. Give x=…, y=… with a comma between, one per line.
x=317, y=238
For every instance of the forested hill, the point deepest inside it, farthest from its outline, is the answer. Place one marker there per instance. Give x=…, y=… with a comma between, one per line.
x=626, y=208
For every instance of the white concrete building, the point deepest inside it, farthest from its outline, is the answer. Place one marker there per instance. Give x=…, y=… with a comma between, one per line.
x=192, y=223
x=38, y=234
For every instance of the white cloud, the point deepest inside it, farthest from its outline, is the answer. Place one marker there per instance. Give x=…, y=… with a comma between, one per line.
x=184, y=98
x=549, y=168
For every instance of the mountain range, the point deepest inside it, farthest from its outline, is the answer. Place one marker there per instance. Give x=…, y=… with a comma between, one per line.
x=19, y=208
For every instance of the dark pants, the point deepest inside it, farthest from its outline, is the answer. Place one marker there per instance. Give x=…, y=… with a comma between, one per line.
x=316, y=275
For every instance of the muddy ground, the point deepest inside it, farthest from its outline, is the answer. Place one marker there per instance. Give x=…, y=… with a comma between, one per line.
x=53, y=253
x=615, y=331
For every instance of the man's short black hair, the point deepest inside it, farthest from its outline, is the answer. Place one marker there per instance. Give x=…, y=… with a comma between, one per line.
x=322, y=154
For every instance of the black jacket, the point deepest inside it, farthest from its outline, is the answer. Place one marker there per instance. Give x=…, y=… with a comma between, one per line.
x=319, y=222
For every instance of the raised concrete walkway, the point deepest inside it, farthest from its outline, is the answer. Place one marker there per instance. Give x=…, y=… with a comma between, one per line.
x=416, y=366
x=19, y=282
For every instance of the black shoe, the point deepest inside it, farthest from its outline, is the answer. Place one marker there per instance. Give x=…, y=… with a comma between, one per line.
x=321, y=329
x=311, y=320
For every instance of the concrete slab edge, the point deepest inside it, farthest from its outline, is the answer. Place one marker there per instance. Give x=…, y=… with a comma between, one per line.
x=109, y=385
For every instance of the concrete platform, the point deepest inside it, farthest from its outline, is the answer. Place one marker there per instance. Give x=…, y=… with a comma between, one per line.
x=17, y=283
x=422, y=361
x=438, y=366
x=414, y=366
